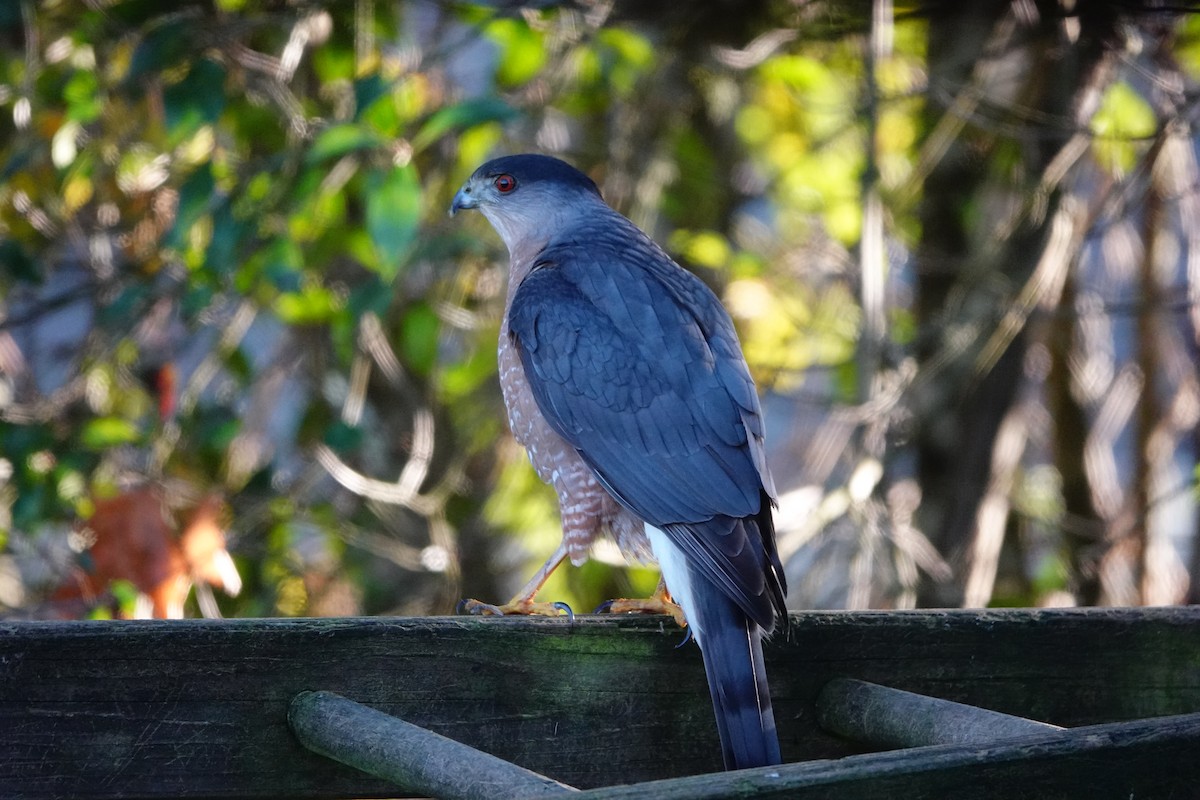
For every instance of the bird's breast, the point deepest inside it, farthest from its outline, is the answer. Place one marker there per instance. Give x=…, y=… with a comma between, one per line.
x=587, y=509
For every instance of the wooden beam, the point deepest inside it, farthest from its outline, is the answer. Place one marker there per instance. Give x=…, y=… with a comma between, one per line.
x=198, y=708
x=1147, y=758
x=886, y=718
x=417, y=760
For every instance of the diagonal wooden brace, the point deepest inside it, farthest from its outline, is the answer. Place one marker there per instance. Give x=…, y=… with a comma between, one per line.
x=885, y=718
x=417, y=759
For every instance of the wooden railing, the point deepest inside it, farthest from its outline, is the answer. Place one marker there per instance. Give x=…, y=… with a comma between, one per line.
x=201, y=708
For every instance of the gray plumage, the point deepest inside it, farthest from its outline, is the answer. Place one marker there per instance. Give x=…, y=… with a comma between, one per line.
x=624, y=377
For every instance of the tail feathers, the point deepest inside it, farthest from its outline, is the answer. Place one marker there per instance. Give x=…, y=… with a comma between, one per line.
x=733, y=661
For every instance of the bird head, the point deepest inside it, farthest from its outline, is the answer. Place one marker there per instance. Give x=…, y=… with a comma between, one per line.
x=524, y=195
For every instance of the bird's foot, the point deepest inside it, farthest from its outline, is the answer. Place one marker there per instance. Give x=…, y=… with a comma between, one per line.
x=658, y=604
x=517, y=606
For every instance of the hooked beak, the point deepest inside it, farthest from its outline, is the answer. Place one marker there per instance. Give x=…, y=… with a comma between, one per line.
x=463, y=200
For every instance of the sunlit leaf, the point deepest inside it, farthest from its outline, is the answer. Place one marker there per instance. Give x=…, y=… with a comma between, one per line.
x=77, y=191
x=475, y=143
x=464, y=377
x=334, y=62
x=312, y=305
x=1121, y=126
x=1187, y=45
x=522, y=54
x=632, y=47
x=629, y=56
x=81, y=93
x=106, y=432
x=317, y=207
x=126, y=595
x=703, y=248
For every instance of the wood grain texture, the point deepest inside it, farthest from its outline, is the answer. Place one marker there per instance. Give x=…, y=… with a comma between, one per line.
x=198, y=708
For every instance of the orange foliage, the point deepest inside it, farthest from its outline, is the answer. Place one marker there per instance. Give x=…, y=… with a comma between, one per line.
x=133, y=539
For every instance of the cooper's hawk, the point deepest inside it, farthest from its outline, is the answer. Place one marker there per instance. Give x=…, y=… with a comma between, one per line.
x=624, y=379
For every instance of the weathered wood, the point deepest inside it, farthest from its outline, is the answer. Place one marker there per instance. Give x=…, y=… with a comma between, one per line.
x=198, y=708
x=885, y=718
x=418, y=760
x=1142, y=759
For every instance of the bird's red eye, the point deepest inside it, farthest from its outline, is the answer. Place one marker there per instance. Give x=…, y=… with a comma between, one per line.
x=504, y=183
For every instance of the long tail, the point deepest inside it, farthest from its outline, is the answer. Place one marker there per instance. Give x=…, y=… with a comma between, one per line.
x=731, y=643
x=733, y=661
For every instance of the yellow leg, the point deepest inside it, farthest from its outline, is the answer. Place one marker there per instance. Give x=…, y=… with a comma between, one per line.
x=658, y=603
x=522, y=602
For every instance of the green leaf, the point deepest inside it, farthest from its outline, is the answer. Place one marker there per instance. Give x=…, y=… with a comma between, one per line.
x=195, y=300
x=1121, y=125
x=460, y=379
x=370, y=295
x=194, y=198
x=333, y=62
x=107, y=432
x=282, y=264
x=81, y=93
x=312, y=305
x=393, y=211
x=342, y=437
x=629, y=56
x=367, y=90
x=222, y=257
x=339, y=140
x=460, y=117
x=522, y=50
x=29, y=508
x=631, y=47
x=704, y=248
x=1186, y=45
x=126, y=595
x=196, y=100
x=162, y=47
x=419, y=338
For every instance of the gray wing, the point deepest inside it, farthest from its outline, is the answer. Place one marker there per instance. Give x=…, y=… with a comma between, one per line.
x=633, y=361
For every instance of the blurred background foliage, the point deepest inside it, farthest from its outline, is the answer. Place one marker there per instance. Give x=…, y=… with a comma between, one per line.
x=959, y=240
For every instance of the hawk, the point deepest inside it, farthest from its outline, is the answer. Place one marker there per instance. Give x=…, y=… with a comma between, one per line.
x=624, y=379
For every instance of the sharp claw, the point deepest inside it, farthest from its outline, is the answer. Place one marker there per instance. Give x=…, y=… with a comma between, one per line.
x=604, y=607
x=476, y=608
x=517, y=607
x=687, y=637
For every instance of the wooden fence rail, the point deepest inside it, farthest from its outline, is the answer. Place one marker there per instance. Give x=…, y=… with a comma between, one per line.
x=199, y=708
